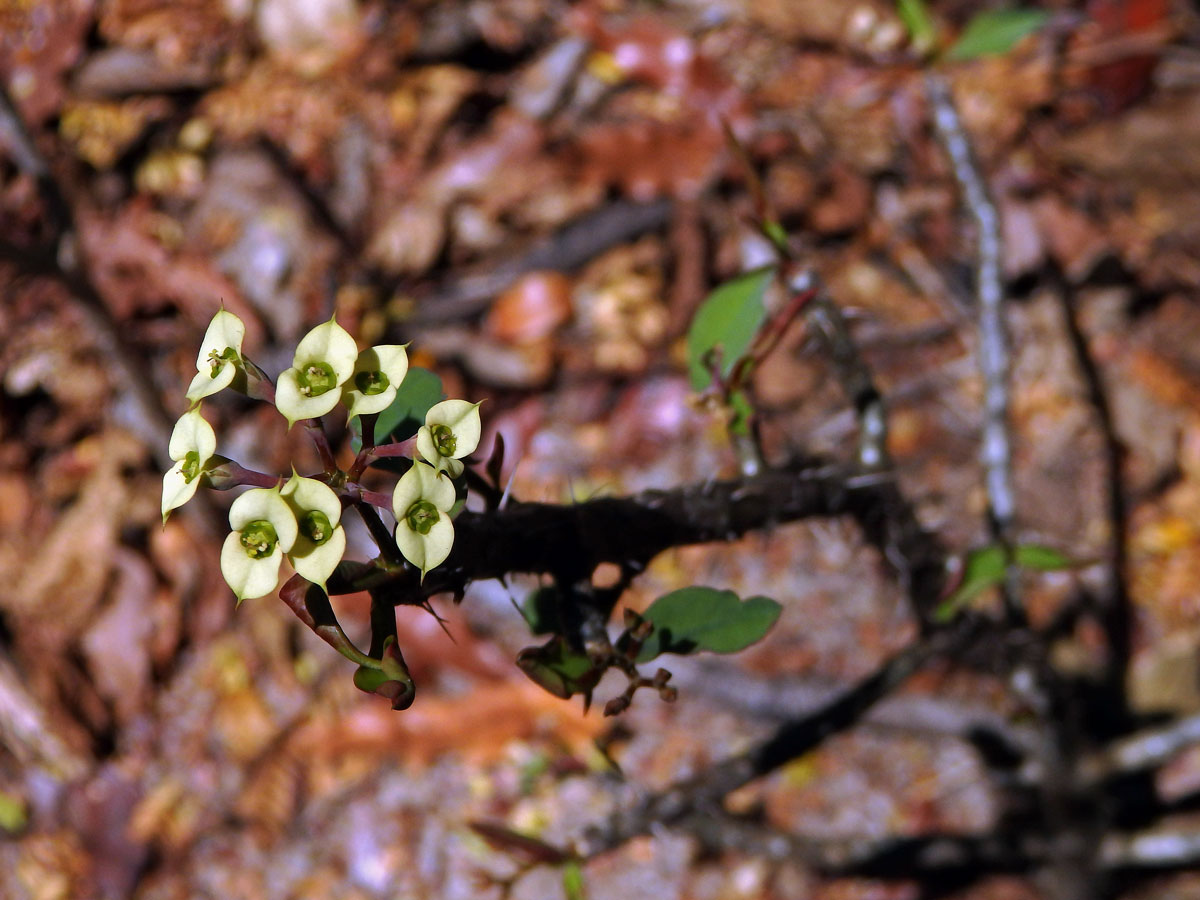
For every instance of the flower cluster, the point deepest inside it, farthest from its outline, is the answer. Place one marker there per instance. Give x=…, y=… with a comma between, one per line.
x=299, y=519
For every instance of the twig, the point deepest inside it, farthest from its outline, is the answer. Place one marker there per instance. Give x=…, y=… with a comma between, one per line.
x=1116, y=614
x=1140, y=752
x=941, y=856
x=578, y=242
x=791, y=740
x=996, y=453
x=1153, y=848
x=851, y=370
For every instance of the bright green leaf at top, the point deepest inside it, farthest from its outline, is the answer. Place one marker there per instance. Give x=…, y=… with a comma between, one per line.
x=729, y=319
x=703, y=618
x=419, y=391
x=916, y=18
x=996, y=31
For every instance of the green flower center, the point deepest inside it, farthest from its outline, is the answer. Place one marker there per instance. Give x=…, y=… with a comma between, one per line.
x=316, y=378
x=422, y=516
x=315, y=526
x=217, y=360
x=444, y=440
x=259, y=539
x=371, y=382
x=191, y=465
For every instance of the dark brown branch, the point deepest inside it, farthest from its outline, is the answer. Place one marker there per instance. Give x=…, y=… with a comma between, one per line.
x=570, y=541
x=1116, y=614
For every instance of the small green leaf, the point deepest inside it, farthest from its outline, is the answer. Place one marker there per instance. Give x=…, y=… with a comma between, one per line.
x=743, y=412
x=703, y=618
x=916, y=18
x=540, y=610
x=1041, y=558
x=420, y=390
x=996, y=31
x=559, y=669
x=985, y=568
x=14, y=814
x=776, y=234
x=573, y=885
x=728, y=319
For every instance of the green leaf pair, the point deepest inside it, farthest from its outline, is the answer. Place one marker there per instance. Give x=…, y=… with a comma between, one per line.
x=987, y=568
x=989, y=33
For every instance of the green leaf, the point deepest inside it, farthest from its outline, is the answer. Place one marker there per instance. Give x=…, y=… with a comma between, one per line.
x=573, y=885
x=1041, y=559
x=728, y=319
x=419, y=391
x=985, y=568
x=743, y=412
x=915, y=16
x=540, y=610
x=559, y=669
x=14, y=814
x=996, y=31
x=703, y=618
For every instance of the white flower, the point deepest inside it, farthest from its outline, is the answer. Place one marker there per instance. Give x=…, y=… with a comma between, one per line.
x=451, y=431
x=324, y=361
x=264, y=529
x=321, y=541
x=219, y=357
x=378, y=372
x=421, y=504
x=193, y=442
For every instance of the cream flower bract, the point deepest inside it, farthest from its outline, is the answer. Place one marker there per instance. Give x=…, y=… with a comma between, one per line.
x=321, y=541
x=219, y=357
x=378, y=372
x=264, y=529
x=193, y=443
x=421, y=504
x=324, y=361
x=451, y=431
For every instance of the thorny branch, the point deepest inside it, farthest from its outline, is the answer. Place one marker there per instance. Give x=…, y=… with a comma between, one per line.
x=570, y=541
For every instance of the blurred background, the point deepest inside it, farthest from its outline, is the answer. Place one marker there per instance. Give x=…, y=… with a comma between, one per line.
x=538, y=195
